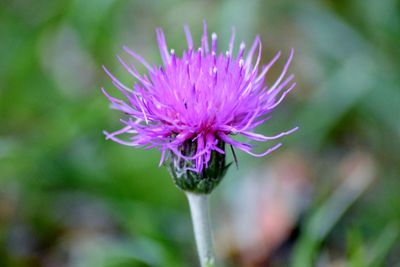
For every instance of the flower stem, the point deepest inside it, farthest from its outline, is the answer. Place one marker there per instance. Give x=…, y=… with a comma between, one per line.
x=201, y=225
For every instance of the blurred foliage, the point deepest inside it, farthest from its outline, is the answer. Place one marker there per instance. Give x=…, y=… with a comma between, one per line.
x=70, y=198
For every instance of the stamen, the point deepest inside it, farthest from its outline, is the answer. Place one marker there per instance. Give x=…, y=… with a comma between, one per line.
x=214, y=42
x=241, y=50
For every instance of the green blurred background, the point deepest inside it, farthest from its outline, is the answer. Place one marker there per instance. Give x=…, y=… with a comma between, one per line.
x=329, y=197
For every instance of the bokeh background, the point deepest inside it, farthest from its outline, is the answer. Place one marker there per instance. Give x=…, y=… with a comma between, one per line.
x=329, y=197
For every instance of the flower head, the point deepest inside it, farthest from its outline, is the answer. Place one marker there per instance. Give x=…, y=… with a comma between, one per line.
x=193, y=104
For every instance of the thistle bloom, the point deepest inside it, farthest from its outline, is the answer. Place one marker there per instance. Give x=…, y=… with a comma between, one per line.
x=194, y=104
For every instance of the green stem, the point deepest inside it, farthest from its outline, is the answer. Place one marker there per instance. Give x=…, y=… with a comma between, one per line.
x=201, y=225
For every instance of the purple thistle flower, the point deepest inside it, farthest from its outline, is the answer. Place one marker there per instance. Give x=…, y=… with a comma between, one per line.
x=190, y=107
